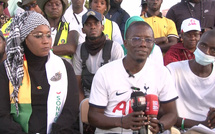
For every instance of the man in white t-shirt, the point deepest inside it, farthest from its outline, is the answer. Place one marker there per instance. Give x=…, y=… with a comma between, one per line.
x=110, y=106
x=195, y=83
x=94, y=46
x=73, y=15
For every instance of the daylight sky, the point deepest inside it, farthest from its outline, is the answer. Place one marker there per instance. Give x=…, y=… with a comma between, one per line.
x=133, y=6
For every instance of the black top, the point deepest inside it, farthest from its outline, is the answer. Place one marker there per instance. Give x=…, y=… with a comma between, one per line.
x=203, y=11
x=38, y=119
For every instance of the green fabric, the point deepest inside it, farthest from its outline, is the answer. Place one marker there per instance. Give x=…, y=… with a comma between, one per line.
x=129, y=21
x=25, y=111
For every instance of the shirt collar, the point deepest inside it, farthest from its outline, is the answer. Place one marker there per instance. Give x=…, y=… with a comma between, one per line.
x=149, y=15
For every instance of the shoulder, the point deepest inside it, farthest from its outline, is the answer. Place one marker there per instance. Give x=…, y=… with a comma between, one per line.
x=179, y=65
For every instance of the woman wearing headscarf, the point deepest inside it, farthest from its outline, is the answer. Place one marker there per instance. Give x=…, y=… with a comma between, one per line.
x=64, y=38
x=111, y=29
x=156, y=54
x=39, y=91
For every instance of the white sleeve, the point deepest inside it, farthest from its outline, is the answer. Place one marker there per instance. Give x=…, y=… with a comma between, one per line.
x=117, y=51
x=117, y=34
x=77, y=62
x=98, y=93
x=168, y=91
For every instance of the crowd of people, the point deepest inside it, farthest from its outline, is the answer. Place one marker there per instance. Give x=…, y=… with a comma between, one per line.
x=54, y=54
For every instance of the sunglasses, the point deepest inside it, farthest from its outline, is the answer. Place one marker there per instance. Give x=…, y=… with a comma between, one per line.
x=40, y=35
x=28, y=7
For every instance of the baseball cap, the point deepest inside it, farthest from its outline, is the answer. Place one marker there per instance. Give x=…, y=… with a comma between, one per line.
x=93, y=13
x=190, y=24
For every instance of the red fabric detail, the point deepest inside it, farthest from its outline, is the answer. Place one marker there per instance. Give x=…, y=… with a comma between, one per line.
x=177, y=53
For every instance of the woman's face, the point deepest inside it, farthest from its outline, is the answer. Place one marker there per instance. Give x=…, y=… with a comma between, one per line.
x=39, y=41
x=53, y=9
x=99, y=6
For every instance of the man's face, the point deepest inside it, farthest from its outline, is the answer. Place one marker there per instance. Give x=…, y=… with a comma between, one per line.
x=154, y=5
x=190, y=39
x=54, y=9
x=77, y=3
x=207, y=44
x=138, y=42
x=115, y=3
x=92, y=28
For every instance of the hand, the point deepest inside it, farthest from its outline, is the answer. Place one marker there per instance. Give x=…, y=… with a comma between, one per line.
x=134, y=121
x=211, y=118
x=154, y=127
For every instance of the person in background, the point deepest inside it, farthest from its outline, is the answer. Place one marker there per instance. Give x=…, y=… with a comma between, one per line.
x=110, y=104
x=54, y=10
x=39, y=91
x=3, y=18
x=164, y=29
x=190, y=35
x=2, y=47
x=195, y=83
x=117, y=14
x=144, y=7
x=95, y=45
x=202, y=10
x=30, y=5
x=111, y=29
x=26, y=5
x=73, y=15
x=156, y=54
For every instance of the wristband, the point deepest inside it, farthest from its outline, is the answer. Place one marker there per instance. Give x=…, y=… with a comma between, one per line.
x=182, y=123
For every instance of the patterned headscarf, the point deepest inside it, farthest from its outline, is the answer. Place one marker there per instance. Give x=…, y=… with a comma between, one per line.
x=21, y=27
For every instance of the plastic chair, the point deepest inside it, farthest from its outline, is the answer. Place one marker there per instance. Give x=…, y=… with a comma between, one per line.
x=83, y=114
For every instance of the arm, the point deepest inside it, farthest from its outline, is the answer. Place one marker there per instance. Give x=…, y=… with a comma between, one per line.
x=209, y=122
x=8, y=125
x=69, y=115
x=80, y=89
x=70, y=47
x=168, y=117
x=165, y=43
x=97, y=118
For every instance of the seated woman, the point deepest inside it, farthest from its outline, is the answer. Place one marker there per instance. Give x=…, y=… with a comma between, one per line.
x=39, y=91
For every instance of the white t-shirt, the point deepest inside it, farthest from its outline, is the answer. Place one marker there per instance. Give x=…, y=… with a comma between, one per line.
x=93, y=63
x=196, y=94
x=156, y=55
x=111, y=88
x=74, y=24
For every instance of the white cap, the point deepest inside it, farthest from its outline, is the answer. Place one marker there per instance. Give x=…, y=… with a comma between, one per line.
x=190, y=24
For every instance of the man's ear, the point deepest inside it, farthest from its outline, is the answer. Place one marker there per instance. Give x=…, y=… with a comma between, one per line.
x=125, y=43
x=83, y=30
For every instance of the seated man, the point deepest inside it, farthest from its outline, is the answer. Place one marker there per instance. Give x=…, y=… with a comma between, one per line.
x=110, y=105
x=195, y=83
x=190, y=35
